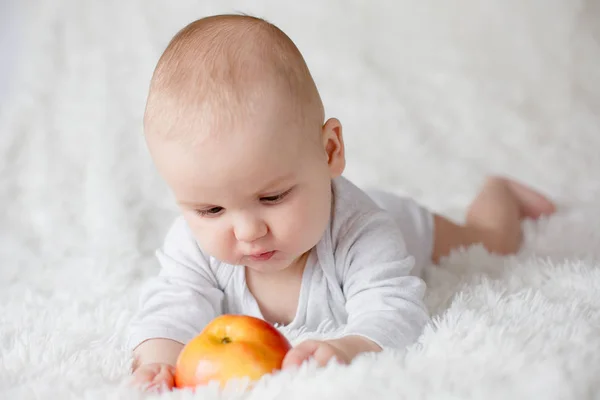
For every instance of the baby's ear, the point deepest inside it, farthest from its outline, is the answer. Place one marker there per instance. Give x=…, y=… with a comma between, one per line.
x=333, y=142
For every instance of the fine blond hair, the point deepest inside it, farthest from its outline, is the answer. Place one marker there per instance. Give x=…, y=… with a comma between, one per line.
x=219, y=69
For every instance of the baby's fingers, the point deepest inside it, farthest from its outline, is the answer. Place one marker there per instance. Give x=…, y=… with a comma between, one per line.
x=164, y=379
x=297, y=355
x=155, y=377
x=324, y=354
x=143, y=377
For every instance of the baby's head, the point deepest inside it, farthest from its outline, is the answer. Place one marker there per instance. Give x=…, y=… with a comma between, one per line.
x=235, y=126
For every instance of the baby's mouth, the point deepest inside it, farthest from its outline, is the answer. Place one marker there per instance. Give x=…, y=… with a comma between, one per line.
x=262, y=256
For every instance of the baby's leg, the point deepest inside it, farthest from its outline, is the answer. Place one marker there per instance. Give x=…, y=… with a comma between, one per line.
x=493, y=219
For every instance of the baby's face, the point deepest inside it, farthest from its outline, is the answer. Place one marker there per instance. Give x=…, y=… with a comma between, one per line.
x=257, y=194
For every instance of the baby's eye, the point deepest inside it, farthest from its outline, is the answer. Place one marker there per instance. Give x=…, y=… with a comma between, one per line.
x=275, y=199
x=209, y=212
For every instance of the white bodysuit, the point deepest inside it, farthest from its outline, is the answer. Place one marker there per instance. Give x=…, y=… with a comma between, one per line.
x=359, y=279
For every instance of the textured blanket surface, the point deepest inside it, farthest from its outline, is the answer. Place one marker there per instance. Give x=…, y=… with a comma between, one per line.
x=433, y=96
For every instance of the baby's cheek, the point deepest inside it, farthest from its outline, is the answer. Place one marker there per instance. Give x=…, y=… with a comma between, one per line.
x=212, y=240
x=302, y=225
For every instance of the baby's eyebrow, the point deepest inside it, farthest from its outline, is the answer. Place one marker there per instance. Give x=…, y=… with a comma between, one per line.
x=269, y=186
x=277, y=181
x=195, y=204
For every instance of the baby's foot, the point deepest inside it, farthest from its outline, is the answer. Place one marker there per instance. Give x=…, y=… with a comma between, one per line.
x=531, y=203
x=496, y=213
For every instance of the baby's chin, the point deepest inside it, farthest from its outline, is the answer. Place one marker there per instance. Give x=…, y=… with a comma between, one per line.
x=278, y=262
x=266, y=266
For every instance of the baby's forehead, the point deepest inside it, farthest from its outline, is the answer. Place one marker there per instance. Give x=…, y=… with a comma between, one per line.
x=240, y=162
x=269, y=129
x=270, y=117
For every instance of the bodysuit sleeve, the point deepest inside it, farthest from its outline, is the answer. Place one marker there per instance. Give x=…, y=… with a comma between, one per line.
x=384, y=302
x=182, y=298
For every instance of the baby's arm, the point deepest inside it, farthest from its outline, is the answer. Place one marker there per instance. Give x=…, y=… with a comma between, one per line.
x=176, y=304
x=156, y=351
x=383, y=300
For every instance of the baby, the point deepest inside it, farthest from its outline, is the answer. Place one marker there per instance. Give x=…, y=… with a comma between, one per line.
x=268, y=225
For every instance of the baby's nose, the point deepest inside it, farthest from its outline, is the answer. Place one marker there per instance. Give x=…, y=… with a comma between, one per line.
x=249, y=229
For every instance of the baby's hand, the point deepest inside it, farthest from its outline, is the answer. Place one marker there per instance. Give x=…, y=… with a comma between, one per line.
x=154, y=377
x=343, y=350
x=321, y=351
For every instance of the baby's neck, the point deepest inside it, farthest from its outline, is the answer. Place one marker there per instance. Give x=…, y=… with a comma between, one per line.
x=277, y=294
x=294, y=270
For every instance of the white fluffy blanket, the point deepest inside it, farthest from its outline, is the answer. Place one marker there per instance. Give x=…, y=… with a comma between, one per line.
x=433, y=96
